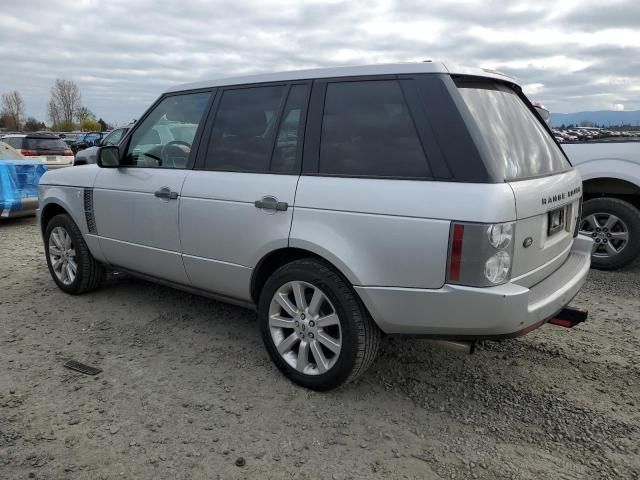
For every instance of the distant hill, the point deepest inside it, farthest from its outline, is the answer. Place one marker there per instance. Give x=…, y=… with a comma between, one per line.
x=601, y=117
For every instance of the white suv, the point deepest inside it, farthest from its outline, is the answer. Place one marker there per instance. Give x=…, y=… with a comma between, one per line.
x=340, y=203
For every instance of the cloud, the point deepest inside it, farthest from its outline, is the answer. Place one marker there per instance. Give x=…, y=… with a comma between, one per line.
x=572, y=56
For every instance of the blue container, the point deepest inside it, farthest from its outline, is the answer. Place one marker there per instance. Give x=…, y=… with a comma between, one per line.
x=19, y=181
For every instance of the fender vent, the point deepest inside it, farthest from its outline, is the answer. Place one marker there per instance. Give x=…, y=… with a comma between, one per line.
x=88, y=210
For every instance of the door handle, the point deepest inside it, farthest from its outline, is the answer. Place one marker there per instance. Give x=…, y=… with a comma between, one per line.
x=271, y=203
x=165, y=192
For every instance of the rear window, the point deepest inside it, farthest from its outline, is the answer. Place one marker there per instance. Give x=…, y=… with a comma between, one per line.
x=44, y=143
x=519, y=145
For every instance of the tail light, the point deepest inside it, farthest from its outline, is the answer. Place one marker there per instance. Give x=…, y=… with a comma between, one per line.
x=68, y=153
x=29, y=153
x=480, y=255
x=576, y=230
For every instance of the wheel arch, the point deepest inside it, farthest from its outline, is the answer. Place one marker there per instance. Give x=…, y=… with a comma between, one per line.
x=277, y=258
x=612, y=187
x=50, y=210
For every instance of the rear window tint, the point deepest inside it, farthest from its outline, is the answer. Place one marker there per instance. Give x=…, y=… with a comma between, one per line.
x=519, y=146
x=45, y=144
x=368, y=131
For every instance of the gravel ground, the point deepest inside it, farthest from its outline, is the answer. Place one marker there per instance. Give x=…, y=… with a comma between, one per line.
x=189, y=392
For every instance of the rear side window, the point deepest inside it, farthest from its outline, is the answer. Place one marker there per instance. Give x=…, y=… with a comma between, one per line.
x=518, y=144
x=244, y=129
x=368, y=131
x=285, y=153
x=15, y=142
x=48, y=144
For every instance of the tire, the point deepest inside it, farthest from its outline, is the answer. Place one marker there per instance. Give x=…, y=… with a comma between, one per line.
x=89, y=273
x=596, y=215
x=355, y=331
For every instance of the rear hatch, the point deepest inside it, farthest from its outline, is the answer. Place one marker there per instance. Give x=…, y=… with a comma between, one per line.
x=51, y=150
x=520, y=150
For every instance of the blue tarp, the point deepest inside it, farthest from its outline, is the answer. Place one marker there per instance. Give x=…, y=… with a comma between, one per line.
x=19, y=181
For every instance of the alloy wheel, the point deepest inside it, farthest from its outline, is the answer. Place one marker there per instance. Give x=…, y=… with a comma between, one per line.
x=609, y=233
x=62, y=255
x=305, y=328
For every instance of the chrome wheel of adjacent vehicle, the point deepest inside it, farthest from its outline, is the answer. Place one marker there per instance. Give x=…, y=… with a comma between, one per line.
x=610, y=234
x=62, y=255
x=305, y=328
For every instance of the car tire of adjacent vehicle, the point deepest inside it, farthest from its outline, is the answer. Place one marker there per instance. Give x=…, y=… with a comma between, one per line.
x=89, y=273
x=595, y=213
x=338, y=319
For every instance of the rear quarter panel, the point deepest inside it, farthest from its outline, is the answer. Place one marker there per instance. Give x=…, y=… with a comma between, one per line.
x=390, y=232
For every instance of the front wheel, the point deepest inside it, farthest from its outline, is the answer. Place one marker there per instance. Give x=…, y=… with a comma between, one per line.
x=70, y=262
x=314, y=326
x=614, y=226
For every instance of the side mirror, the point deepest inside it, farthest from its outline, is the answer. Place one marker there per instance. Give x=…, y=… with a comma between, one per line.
x=108, y=156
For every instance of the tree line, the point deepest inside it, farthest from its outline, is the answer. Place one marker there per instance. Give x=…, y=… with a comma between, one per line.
x=65, y=111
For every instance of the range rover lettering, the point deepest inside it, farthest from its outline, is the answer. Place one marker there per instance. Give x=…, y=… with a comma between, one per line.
x=341, y=204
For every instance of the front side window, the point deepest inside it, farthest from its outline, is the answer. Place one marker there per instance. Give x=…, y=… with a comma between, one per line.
x=368, y=131
x=165, y=136
x=244, y=128
x=519, y=146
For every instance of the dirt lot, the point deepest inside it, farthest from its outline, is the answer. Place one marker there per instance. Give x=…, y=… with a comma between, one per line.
x=188, y=389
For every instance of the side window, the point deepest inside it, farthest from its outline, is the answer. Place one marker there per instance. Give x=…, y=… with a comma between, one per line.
x=285, y=152
x=154, y=144
x=15, y=142
x=243, y=129
x=114, y=137
x=367, y=130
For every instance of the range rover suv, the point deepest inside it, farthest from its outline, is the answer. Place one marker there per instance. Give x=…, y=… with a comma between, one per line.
x=341, y=204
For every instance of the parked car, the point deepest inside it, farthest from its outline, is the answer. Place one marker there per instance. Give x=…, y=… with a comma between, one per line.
x=19, y=180
x=611, y=211
x=86, y=140
x=400, y=226
x=69, y=138
x=49, y=149
x=88, y=155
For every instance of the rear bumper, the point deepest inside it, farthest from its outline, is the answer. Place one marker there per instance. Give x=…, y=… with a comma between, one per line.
x=462, y=312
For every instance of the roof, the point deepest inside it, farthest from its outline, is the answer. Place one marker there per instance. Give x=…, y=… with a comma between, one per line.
x=363, y=70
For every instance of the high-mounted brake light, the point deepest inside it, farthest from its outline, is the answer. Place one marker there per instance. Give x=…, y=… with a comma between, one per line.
x=456, y=252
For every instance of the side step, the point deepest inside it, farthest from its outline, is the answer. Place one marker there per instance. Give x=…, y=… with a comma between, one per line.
x=569, y=317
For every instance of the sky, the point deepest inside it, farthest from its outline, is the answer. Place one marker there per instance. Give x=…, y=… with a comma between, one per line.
x=570, y=55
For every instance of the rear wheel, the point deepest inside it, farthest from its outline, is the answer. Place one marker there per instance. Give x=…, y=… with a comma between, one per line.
x=70, y=262
x=614, y=226
x=314, y=326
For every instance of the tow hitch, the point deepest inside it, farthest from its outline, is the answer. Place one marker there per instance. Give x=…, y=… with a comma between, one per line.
x=569, y=317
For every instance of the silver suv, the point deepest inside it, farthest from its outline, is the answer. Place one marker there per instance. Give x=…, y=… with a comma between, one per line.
x=339, y=203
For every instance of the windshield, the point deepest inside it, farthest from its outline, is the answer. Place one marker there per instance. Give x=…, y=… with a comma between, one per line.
x=519, y=146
